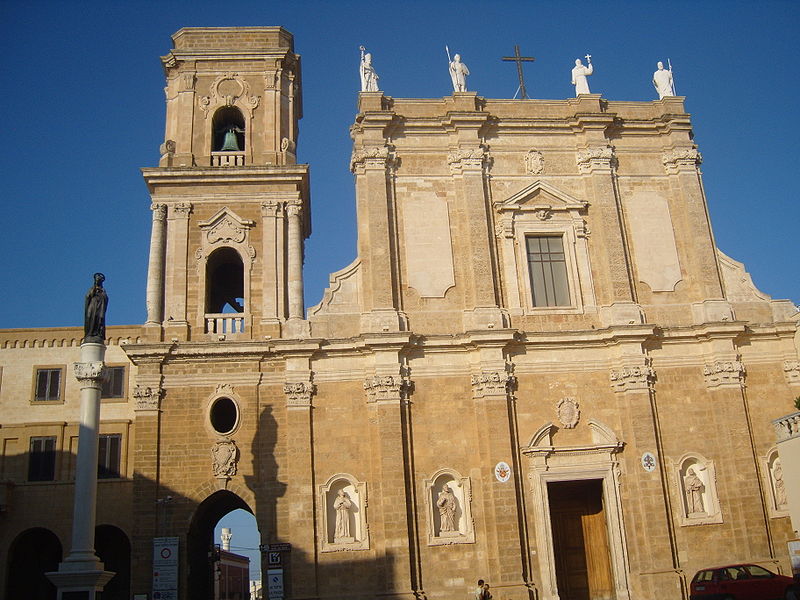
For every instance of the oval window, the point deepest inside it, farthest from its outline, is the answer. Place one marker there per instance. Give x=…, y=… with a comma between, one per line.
x=224, y=415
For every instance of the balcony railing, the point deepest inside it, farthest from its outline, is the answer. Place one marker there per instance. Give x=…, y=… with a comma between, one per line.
x=225, y=323
x=227, y=159
x=787, y=427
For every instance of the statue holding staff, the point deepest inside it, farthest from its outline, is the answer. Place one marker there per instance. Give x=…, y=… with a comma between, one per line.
x=662, y=80
x=94, y=323
x=458, y=72
x=579, y=75
x=369, y=77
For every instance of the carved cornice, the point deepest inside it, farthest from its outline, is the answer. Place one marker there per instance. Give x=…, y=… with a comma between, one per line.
x=89, y=372
x=375, y=157
x=147, y=398
x=791, y=370
x=467, y=159
x=681, y=159
x=596, y=157
x=492, y=383
x=632, y=378
x=299, y=393
x=385, y=387
x=724, y=373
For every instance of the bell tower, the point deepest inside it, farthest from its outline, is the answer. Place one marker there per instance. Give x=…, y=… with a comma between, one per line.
x=230, y=203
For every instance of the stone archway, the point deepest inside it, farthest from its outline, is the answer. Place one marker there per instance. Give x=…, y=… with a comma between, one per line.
x=114, y=548
x=33, y=553
x=200, y=540
x=551, y=467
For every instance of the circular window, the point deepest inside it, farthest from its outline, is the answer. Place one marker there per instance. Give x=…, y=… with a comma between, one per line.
x=224, y=415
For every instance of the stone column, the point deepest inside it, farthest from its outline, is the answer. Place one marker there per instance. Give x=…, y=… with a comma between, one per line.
x=682, y=164
x=294, y=212
x=155, y=266
x=300, y=493
x=272, y=302
x=177, y=249
x=632, y=379
x=397, y=574
x=492, y=391
x=81, y=575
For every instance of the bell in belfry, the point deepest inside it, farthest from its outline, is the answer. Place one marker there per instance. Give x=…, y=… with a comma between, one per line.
x=230, y=143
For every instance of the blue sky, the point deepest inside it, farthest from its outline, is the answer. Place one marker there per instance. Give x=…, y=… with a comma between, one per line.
x=82, y=96
x=84, y=110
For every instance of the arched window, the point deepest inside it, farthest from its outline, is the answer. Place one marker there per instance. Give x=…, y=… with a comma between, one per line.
x=228, y=130
x=225, y=282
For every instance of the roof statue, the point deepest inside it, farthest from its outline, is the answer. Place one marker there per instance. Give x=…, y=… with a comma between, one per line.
x=662, y=80
x=369, y=77
x=579, y=75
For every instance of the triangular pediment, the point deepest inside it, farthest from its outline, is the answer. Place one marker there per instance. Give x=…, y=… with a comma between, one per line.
x=226, y=226
x=540, y=195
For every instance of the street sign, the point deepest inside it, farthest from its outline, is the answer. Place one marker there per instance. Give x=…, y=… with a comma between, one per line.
x=165, y=568
x=275, y=584
x=274, y=559
x=281, y=547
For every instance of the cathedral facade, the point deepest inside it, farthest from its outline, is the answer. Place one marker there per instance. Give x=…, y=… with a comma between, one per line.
x=539, y=370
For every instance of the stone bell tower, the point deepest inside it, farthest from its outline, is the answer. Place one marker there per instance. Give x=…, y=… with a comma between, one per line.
x=230, y=204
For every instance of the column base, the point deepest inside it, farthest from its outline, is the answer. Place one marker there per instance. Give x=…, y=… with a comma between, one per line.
x=84, y=584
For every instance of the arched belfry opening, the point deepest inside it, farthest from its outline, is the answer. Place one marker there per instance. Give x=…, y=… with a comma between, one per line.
x=201, y=543
x=228, y=130
x=225, y=282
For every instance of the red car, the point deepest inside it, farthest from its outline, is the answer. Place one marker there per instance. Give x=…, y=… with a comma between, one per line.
x=740, y=582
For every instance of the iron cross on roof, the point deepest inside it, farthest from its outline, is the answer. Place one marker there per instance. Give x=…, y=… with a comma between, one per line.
x=519, y=60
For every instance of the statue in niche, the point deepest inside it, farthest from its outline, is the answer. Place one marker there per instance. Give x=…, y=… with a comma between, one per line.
x=662, y=80
x=458, y=74
x=780, y=485
x=342, y=505
x=446, y=503
x=94, y=323
x=579, y=75
x=693, y=488
x=369, y=77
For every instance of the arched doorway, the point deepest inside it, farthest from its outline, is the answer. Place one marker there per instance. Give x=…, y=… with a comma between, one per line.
x=33, y=553
x=114, y=549
x=200, y=540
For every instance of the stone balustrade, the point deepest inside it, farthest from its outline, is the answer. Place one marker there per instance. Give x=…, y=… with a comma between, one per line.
x=226, y=323
x=787, y=427
x=227, y=159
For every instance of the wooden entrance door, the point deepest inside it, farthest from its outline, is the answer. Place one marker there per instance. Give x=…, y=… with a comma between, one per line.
x=580, y=540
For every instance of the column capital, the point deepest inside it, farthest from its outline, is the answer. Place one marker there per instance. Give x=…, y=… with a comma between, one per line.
x=632, y=378
x=596, y=158
x=468, y=159
x=384, y=388
x=299, y=393
x=159, y=211
x=89, y=374
x=681, y=159
x=182, y=209
x=724, y=373
x=147, y=398
x=492, y=383
x=371, y=157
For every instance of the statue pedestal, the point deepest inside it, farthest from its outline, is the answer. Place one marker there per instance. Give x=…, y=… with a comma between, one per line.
x=79, y=584
x=344, y=540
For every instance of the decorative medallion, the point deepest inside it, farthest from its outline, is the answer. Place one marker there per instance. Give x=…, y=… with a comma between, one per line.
x=502, y=472
x=568, y=412
x=534, y=162
x=224, y=457
x=649, y=462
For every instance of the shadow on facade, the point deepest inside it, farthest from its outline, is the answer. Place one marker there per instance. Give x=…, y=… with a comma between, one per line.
x=35, y=530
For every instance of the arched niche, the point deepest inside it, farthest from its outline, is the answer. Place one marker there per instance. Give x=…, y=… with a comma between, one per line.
x=228, y=130
x=342, y=506
x=774, y=477
x=448, y=497
x=696, y=482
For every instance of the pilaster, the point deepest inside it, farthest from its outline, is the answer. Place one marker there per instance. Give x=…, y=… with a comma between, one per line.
x=176, y=324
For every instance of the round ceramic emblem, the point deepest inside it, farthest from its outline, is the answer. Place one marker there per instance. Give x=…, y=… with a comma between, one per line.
x=502, y=472
x=648, y=462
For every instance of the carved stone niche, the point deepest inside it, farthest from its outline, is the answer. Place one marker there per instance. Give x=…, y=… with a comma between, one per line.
x=696, y=484
x=342, y=508
x=775, y=480
x=448, y=498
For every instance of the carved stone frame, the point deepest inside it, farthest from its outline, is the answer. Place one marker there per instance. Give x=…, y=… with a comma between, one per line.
x=325, y=496
x=768, y=464
x=708, y=476
x=462, y=489
x=542, y=209
x=242, y=246
x=223, y=390
x=548, y=463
